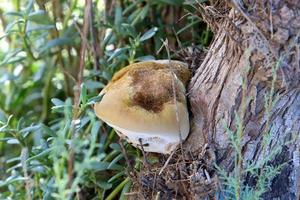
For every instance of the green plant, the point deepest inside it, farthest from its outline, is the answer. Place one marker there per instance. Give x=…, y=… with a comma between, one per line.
x=262, y=172
x=58, y=57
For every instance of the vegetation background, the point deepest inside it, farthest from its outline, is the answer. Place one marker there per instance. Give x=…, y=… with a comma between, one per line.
x=55, y=57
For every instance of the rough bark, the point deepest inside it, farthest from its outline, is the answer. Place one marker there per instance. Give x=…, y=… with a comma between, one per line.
x=257, y=42
x=248, y=83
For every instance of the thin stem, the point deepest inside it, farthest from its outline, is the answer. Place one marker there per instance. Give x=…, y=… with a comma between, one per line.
x=24, y=157
x=95, y=43
x=24, y=38
x=45, y=94
x=69, y=13
x=88, y=7
x=117, y=190
x=77, y=110
x=240, y=135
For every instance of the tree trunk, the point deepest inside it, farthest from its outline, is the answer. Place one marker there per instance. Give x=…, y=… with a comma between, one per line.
x=245, y=102
x=248, y=85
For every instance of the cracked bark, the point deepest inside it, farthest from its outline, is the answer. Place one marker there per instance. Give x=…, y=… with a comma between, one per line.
x=239, y=51
x=257, y=42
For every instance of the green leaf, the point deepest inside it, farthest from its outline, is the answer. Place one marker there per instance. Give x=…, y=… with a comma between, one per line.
x=10, y=26
x=125, y=190
x=30, y=128
x=5, y=139
x=33, y=27
x=57, y=42
x=11, y=180
x=83, y=93
x=91, y=85
x=116, y=53
x=57, y=102
x=188, y=26
x=171, y=2
x=12, y=60
x=20, y=123
x=117, y=176
x=107, y=39
x=118, y=189
x=129, y=30
x=102, y=166
x=94, y=100
x=48, y=131
x=17, y=14
x=118, y=17
x=13, y=141
x=115, y=160
x=39, y=17
x=150, y=33
x=3, y=128
x=95, y=129
x=141, y=15
x=9, y=56
x=40, y=155
x=13, y=160
x=115, y=146
x=130, y=7
x=104, y=185
x=29, y=6
x=2, y=117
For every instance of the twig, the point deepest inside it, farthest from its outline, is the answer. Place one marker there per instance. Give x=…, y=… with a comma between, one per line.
x=24, y=157
x=55, y=34
x=83, y=38
x=71, y=168
x=166, y=163
x=132, y=194
x=95, y=44
x=88, y=7
x=25, y=42
x=145, y=161
x=76, y=115
x=126, y=157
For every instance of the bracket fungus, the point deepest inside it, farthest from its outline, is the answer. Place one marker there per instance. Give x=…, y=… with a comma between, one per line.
x=145, y=103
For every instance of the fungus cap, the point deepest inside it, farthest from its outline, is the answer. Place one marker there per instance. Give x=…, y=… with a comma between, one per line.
x=142, y=102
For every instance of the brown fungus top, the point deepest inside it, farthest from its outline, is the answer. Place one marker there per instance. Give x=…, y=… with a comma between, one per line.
x=152, y=83
x=147, y=100
x=153, y=88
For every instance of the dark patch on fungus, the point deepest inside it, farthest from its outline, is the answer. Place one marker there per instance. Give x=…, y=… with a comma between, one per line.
x=152, y=88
